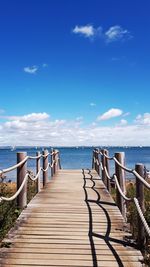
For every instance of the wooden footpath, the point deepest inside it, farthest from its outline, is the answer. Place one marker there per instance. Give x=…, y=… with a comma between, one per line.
x=73, y=221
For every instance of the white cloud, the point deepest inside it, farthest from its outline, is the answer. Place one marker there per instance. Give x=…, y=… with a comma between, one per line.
x=86, y=31
x=35, y=117
x=29, y=130
x=143, y=119
x=31, y=70
x=116, y=33
x=92, y=104
x=29, y=117
x=111, y=113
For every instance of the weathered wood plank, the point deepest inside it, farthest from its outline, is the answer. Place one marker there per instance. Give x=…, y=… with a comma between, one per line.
x=58, y=228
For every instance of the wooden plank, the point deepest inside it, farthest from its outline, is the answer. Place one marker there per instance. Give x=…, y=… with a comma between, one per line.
x=67, y=250
x=65, y=256
x=85, y=263
x=54, y=229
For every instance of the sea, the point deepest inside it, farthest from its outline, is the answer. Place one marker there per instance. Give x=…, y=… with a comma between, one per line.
x=74, y=158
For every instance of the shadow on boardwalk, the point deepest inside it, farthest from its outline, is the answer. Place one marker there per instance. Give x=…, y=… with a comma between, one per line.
x=92, y=234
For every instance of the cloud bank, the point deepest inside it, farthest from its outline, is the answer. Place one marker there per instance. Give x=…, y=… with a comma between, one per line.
x=37, y=129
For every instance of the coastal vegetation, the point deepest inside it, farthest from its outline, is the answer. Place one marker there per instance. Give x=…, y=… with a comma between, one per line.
x=132, y=216
x=9, y=211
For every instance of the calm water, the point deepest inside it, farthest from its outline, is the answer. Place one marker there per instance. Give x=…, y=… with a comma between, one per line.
x=76, y=158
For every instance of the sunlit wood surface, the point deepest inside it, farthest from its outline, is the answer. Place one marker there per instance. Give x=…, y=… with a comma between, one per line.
x=73, y=221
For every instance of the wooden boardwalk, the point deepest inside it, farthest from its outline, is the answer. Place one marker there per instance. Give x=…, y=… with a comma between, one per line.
x=72, y=222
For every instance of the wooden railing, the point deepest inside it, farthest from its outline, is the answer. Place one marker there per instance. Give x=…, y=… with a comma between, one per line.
x=100, y=162
x=50, y=160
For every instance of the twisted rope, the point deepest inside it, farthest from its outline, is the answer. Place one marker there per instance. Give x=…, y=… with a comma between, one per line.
x=14, y=166
x=33, y=176
x=35, y=157
x=44, y=170
x=17, y=192
x=147, y=228
x=107, y=174
x=134, y=172
x=25, y=160
x=120, y=190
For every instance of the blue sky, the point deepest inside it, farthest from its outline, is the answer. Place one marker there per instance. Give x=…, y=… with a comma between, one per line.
x=78, y=69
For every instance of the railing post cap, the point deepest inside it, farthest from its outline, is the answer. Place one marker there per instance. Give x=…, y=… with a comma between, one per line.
x=139, y=164
x=21, y=154
x=122, y=153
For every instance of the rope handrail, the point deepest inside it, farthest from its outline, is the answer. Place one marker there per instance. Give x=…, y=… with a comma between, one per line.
x=44, y=170
x=133, y=171
x=2, y=171
x=118, y=186
x=136, y=202
x=141, y=179
x=137, y=205
x=119, y=189
x=14, y=166
x=122, y=166
x=17, y=192
x=35, y=177
x=145, y=224
x=35, y=157
x=106, y=172
x=30, y=176
x=106, y=156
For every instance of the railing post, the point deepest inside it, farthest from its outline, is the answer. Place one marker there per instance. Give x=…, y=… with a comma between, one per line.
x=94, y=159
x=107, y=167
x=52, y=168
x=45, y=163
x=54, y=159
x=59, y=163
x=93, y=155
x=97, y=161
x=120, y=173
x=140, y=196
x=38, y=166
x=21, y=172
x=103, y=160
